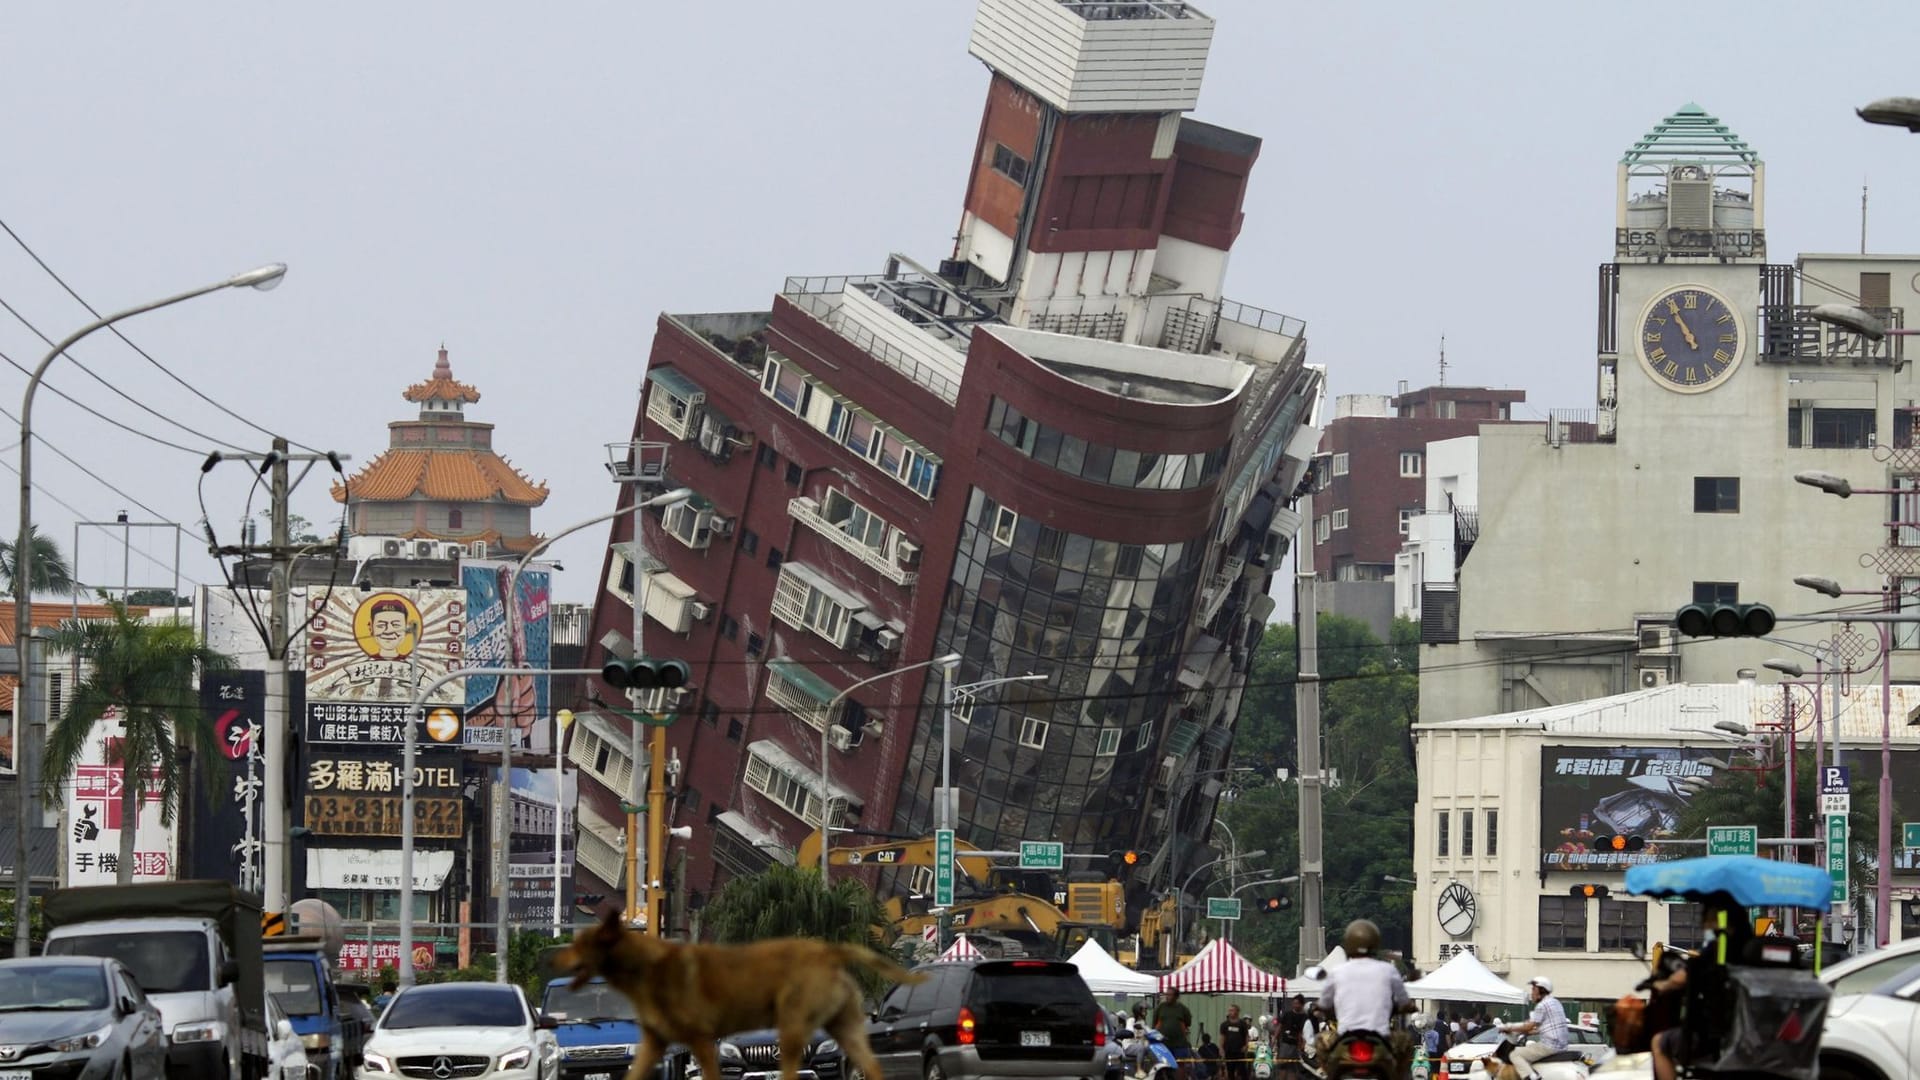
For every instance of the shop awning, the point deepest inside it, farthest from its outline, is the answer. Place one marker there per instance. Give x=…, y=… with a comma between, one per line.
x=795, y=674
x=1185, y=734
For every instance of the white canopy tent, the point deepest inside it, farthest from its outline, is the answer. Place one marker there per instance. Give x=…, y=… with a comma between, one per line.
x=1465, y=978
x=1105, y=975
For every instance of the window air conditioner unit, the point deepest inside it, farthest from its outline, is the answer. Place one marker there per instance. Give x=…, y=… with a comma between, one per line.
x=1657, y=640
x=423, y=549
x=905, y=551
x=722, y=526
x=393, y=548
x=477, y=550
x=362, y=548
x=840, y=737
x=1654, y=677
x=887, y=639
x=699, y=611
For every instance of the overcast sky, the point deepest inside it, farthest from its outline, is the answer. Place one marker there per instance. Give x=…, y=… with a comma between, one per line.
x=533, y=184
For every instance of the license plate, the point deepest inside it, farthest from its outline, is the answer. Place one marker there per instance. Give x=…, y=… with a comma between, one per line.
x=1027, y=1038
x=17, y=1074
x=598, y=1076
x=1458, y=1066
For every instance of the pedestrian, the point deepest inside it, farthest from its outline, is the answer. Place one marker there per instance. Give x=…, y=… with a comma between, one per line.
x=1234, y=1035
x=1288, y=1029
x=1173, y=1020
x=1209, y=1068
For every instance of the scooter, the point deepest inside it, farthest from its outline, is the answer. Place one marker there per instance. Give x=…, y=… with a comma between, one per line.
x=1360, y=1055
x=1159, y=1062
x=1568, y=1064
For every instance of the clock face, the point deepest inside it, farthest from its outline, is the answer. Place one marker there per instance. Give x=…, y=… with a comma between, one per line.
x=1690, y=339
x=1456, y=909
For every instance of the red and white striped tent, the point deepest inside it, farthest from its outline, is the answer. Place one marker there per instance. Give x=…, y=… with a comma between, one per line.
x=1220, y=969
x=961, y=949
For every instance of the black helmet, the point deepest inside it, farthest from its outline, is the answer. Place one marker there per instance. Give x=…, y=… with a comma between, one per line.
x=1361, y=939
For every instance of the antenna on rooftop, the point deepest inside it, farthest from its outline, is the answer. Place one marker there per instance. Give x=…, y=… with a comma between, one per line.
x=1443, y=359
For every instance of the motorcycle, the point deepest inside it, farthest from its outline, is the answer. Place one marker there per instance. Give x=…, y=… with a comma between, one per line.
x=1361, y=1055
x=1159, y=1062
x=1766, y=1018
x=1568, y=1064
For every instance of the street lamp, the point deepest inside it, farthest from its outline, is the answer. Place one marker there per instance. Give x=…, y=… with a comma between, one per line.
x=1399, y=880
x=262, y=278
x=949, y=661
x=953, y=694
x=1832, y=485
x=1180, y=898
x=1785, y=667
x=1893, y=112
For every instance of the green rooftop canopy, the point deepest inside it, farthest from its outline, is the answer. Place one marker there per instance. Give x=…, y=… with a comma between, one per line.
x=1690, y=135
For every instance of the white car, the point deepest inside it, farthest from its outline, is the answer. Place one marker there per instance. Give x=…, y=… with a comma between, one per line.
x=461, y=1031
x=286, y=1056
x=1875, y=1035
x=1467, y=1060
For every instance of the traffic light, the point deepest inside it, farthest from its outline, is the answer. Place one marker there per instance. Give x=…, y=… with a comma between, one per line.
x=1588, y=891
x=1619, y=844
x=646, y=673
x=1724, y=620
x=1130, y=858
x=1274, y=905
x=1119, y=862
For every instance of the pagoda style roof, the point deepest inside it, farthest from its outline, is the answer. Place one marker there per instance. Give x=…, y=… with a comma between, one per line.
x=442, y=386
x=1690, y=134
x=446, y=475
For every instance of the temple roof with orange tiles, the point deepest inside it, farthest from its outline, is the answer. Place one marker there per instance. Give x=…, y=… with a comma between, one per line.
x=441, y=455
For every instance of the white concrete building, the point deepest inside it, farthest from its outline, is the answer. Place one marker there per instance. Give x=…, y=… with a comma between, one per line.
x=1505, y=799
x=1557, y=581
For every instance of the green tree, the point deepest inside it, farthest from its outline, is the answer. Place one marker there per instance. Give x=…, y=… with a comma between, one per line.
x=142, y=673
x=1369, y=702
x=52, y=575
x=1753, y=792
x=160, y=598
x=299, y=529
x=787, y=901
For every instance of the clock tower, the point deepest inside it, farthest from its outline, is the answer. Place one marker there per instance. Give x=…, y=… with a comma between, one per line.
x=1680, y=302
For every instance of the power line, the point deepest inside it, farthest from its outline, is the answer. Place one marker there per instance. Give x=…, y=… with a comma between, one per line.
x=83, y=515
x=68, y=458
x=129, y=429
x=115, y=331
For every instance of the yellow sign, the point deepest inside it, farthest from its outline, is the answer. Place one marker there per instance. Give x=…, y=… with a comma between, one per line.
x=376, y=815
x=385, y=625
x=443, y=725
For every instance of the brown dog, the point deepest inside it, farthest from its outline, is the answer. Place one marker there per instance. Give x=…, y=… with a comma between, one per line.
x=696, y=994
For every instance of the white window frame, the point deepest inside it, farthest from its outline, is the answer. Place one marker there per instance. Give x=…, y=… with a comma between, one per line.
x=1340, y=463
x=1413, y=463
x=1005, y=521
x=1406, y=521
x=867, y=528
x=1445, y=410
x=789, y=792
x=1322, y=529
x=963, y=705
x=1339, y=520
x=1145, y=738
x=1107, y=743
x=1033, y=732
x=798, y=702
x=797, y=603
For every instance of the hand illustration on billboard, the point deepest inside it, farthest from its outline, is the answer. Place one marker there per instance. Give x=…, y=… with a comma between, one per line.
x=87, y=829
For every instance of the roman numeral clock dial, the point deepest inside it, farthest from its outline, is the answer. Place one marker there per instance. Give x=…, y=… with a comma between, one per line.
x=1690, y=339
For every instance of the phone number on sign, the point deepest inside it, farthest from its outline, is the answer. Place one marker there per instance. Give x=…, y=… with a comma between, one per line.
x=374, y=815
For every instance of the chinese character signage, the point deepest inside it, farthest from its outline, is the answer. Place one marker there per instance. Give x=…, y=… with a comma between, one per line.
x=373, y=646
x=507, y=631
x=358, y=793
x=226, y=819
x=1587, y=792
x=360, y=868
x=94, y=816
x=363, y=722
x=385, y=953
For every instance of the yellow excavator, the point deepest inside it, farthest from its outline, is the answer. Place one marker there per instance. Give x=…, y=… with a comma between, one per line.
x=1024, y=909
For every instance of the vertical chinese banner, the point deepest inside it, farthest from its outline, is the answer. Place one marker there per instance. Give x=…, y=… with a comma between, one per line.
x=93, y=817
x=507, y=631
x=226, y=842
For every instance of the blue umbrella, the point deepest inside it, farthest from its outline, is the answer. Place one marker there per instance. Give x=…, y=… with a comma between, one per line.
x=1750, y=881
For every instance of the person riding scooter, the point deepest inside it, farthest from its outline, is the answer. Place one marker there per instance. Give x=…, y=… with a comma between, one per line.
x=1362, y=996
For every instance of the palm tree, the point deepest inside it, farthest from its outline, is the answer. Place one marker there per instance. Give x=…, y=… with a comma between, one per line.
x=142, y=673
x=784, y=901
x=51, y=574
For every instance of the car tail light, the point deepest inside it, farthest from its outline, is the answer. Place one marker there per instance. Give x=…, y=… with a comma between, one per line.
x=1361, y=1052
x=966, y=1026
x=1030, y=963
x=1099, y=1034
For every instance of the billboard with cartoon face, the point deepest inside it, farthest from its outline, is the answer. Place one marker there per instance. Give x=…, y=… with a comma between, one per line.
x=367, y=654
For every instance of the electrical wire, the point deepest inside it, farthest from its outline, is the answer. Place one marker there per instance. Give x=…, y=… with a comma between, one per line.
x=96, y=413
x=83, y=515
x=69, y=459
x=129, y=398
x=115, y=331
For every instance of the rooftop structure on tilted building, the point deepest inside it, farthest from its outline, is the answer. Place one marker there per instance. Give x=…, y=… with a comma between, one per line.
x=440, y=479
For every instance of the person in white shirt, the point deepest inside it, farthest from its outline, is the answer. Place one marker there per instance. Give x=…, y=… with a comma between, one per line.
x=1365, y=993
x=1547, y=1023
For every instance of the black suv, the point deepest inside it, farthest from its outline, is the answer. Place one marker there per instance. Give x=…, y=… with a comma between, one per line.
x=755, y=1055
x=990, y=1018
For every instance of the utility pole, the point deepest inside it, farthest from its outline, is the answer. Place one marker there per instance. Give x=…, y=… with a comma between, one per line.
x=1306, y=613
x=274, y=826
x=275, y=797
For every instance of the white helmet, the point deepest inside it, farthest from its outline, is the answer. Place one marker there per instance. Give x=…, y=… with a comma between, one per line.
x=1545, y=984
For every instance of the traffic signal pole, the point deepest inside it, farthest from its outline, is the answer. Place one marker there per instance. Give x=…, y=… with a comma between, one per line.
x=1313, y=935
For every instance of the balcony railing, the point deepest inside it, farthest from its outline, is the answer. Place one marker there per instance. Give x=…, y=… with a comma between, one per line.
x=1789, y=334
x=1214, y=596
x=807, y=294
x=806, y=510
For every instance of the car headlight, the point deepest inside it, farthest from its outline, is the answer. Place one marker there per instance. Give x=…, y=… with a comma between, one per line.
x=204, y=1031
x=827, y=1046
x=729, y=1052
x=516, y=1059
x=73, y=1044
x=373, y=1062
